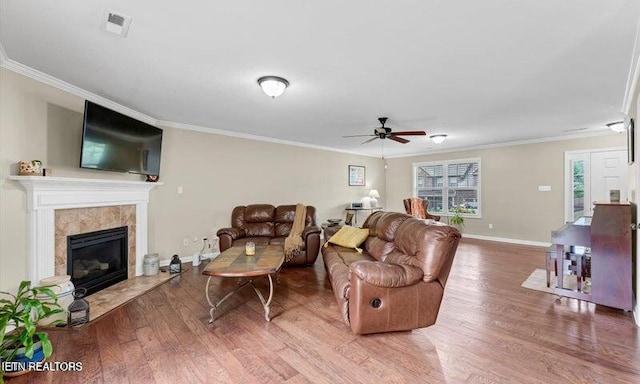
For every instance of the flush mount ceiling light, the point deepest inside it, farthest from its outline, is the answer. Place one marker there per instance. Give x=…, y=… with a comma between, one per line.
x=616, y=126
x=438, y=139
x=273, y=86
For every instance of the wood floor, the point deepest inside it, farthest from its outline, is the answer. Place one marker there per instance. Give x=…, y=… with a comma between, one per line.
x=489, y=330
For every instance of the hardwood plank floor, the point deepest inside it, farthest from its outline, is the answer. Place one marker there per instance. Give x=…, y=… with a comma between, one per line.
x=489, y=330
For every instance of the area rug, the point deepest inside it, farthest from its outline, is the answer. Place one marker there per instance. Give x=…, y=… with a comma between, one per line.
x=538, y=281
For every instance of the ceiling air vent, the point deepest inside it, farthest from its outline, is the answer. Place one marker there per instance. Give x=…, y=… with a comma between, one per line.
x=117, y=23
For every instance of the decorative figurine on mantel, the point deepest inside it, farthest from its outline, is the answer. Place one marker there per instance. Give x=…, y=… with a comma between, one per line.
x=31, y=168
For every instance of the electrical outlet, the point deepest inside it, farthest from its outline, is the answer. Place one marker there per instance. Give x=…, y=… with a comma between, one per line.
x=185, y=242
x=196, y=239
x=490, y=226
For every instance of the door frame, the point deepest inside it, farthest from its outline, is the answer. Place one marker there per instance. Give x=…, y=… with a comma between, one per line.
x=585, y=155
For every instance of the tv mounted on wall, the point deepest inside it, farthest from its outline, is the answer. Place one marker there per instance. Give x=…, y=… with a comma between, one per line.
x=112, y=141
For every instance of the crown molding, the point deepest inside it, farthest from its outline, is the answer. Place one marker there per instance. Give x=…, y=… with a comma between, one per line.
x=509, y=144
x=12, y=65
x=197, y=128
x=634, y=75
x=3, y=55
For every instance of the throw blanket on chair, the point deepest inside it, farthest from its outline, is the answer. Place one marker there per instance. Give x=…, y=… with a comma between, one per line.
x=417, y=208
x=293, y=243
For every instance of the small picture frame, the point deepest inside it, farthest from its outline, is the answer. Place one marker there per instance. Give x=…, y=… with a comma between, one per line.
x=631, y=136
x=356, y=175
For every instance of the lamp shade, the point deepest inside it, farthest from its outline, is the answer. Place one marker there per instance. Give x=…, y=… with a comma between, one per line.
x=373, y=195
x=438, y=139
x=273, y=86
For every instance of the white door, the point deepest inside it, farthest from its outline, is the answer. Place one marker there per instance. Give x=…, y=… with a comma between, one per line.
x=590, y=177
x=609, y=170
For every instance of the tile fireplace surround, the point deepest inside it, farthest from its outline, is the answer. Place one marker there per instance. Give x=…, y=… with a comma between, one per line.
x=45, y=195
x=76, y=221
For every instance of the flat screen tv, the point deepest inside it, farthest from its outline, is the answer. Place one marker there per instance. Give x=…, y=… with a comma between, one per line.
x=112, y=141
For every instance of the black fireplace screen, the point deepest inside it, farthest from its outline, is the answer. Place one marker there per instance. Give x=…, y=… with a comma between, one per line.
x=96, y=260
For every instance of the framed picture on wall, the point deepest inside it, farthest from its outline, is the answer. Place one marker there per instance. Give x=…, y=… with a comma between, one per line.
x=356, y=175
x=631, y=136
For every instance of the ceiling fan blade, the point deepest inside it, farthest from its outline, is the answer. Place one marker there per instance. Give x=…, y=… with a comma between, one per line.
x=411, y=133
x=398, y=139
x=359, y=135
x=368, y=141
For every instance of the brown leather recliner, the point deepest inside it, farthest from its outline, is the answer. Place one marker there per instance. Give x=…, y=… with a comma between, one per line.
x=265, y=224
x=425, y=204
x=397, y=282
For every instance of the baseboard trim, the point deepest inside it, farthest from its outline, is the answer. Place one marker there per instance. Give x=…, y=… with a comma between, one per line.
x=491, y=238
x=507, y=240
x=189, y=259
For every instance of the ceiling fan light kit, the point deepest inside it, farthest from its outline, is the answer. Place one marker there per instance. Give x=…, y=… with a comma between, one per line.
x=438, y=139
x=273, y=86
x=387, y=133
x=616, y=126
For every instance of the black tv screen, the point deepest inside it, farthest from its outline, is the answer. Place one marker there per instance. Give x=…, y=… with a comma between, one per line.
x=112, y=141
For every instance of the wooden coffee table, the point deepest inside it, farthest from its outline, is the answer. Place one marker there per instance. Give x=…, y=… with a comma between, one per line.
x=234, y=263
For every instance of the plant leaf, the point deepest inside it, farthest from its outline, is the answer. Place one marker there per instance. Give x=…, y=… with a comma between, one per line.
x=24, y=285
x=47, y=347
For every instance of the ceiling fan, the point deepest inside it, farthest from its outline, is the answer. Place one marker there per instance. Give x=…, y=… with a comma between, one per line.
x=386, y=133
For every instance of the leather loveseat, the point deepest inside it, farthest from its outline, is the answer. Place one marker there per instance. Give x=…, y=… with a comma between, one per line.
x=265, y=224
x=398, y=280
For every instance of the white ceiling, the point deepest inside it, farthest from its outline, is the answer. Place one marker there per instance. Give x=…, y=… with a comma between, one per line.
x=483, y=72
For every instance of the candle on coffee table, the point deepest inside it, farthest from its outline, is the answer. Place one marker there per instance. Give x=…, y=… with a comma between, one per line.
x=250, y=248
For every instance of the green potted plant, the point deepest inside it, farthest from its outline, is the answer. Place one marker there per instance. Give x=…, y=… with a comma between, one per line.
x=19, y=317
x=457, y=219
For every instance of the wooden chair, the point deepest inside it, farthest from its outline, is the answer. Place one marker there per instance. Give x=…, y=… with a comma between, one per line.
x=425, y=204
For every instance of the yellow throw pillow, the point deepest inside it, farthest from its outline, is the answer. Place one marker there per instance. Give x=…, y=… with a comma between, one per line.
x=349, y=237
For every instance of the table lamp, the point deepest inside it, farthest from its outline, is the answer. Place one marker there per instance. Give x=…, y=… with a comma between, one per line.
x=373, y=194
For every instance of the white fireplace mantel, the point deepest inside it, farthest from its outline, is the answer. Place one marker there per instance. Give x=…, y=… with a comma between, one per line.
x=46, y=194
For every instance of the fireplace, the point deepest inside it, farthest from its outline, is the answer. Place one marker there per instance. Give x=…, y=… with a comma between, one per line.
x=96, y=260
x=48, y=195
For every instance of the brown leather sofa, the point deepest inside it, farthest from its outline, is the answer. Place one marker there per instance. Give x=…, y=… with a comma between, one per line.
x=265, y=224
x=397, y=282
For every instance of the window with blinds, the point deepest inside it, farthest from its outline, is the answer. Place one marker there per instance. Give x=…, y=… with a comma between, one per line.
x=449, y=185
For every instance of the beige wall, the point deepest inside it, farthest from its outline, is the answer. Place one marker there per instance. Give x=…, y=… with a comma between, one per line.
x=217, y=173
x=38, y=121
x=510, y=197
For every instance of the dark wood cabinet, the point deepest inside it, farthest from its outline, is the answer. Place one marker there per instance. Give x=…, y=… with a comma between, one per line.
x=611, y=255
x=610, y=238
